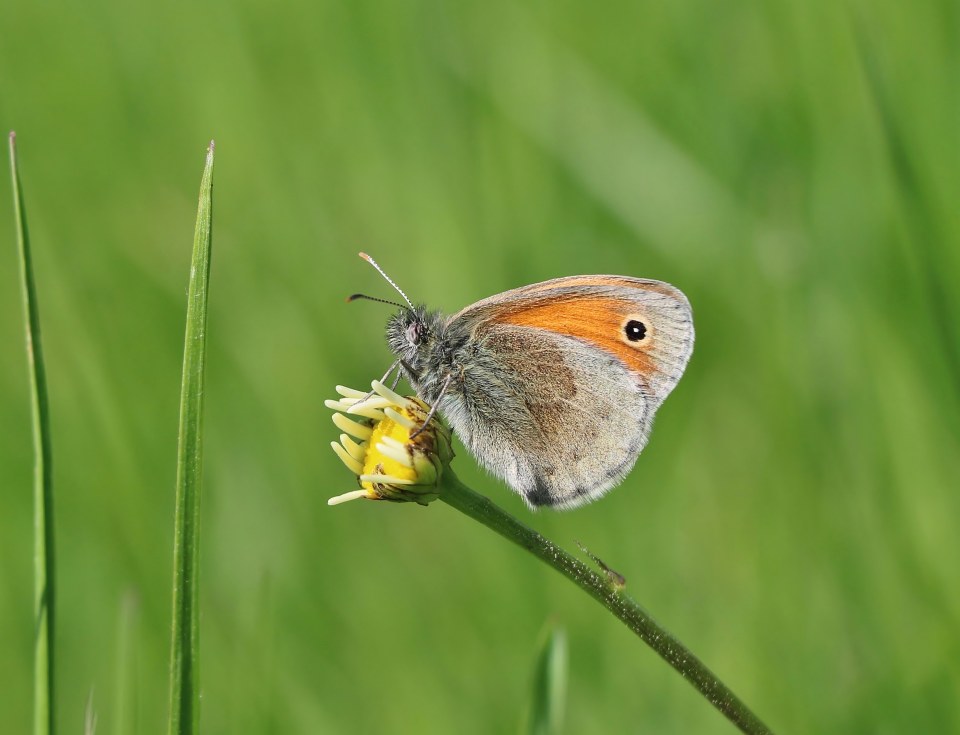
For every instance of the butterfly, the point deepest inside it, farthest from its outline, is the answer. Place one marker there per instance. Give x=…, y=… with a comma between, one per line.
x=552, y=387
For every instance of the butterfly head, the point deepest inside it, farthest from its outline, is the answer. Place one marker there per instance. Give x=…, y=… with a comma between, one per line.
x=411, y=334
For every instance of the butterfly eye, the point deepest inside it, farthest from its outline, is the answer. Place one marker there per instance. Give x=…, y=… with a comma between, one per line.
x=415, y=333
x=635, y=330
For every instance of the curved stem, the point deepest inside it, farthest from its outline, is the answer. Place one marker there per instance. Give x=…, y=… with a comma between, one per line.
x=608, y=591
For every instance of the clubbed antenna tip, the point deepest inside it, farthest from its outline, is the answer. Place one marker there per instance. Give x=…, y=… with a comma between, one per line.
x=389, y=280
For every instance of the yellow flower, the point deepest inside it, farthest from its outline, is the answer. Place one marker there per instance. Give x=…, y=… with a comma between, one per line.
x=377, y=447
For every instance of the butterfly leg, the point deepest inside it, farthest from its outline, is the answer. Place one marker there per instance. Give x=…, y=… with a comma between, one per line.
x=433, y=408
x=396, y=379
x=408, y=369
x=383, y=380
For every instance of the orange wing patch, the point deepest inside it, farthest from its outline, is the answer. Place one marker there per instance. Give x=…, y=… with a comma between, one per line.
x=599, y=321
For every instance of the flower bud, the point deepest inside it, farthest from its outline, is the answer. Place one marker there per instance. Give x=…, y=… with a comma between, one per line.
x=386, y=445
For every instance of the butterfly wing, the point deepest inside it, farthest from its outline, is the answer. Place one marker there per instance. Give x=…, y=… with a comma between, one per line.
x=558, y=393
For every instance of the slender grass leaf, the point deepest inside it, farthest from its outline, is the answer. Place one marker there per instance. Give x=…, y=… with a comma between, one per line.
x=43, y=551
x=185, y=647
x=89, y=716
x=924, y=226
x=127, y=691
x=549, y=684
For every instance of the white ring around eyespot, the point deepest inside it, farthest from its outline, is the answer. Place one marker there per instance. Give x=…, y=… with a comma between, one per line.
x=647, y=336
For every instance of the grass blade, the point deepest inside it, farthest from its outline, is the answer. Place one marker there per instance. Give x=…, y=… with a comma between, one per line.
x=89, y=716
x=43, y=552
x=549, y=685
x=127, y=692
x=925, y=229
x=185, y=647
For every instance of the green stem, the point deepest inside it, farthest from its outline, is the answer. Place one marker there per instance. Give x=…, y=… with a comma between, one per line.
x=43, y=552
x=610, y=594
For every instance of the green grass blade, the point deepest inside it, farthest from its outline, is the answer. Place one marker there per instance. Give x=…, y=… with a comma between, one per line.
x=43, y=552
x=185, y=647
x=127, y=692
x=89, y=716
x=925, y=229
x=549, y=685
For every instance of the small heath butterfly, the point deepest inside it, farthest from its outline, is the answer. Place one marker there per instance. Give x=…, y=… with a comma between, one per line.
x=552, y=387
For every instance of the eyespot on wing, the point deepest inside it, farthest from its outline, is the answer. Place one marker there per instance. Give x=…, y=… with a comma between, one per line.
x=597, y=310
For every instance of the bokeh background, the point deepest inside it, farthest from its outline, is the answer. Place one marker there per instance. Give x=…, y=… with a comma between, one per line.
x=793, y=166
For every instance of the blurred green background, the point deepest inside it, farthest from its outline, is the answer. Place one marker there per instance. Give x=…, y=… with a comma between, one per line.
x=794, y=167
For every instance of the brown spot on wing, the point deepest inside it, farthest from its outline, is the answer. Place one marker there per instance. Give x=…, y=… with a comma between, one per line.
x=543, y=383
x=513, y=349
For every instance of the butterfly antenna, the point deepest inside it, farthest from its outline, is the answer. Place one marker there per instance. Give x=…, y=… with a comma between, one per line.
x=389, y=280
x=356, y=296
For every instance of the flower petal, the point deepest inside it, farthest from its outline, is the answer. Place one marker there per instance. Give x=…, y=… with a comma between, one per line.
x=399, y=418
x=346, y=497
x=386, y=480
x=352, y=427
x=352, y=464
x=392, y=396
x=357, y=451
x=400, y=456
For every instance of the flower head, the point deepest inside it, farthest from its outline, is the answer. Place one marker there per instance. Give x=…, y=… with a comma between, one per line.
x=378, y=448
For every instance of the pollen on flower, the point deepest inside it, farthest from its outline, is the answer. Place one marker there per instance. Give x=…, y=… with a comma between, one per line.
x=376, y=445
